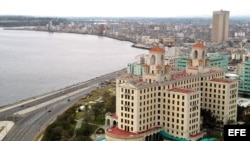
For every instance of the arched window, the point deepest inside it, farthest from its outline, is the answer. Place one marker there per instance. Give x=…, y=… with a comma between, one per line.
x=203, y=54
x=162, y=60
x=195, y=54
x=114, y=123
x=152, y=60
x=108, y=122
x=142, y=60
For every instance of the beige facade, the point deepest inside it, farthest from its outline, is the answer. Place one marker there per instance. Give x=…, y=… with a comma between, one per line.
x=220, y=26
x=181, y=117
x=219, y=96
x=171, y=100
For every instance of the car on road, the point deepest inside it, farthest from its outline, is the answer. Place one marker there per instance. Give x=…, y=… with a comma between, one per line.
x=49, y=111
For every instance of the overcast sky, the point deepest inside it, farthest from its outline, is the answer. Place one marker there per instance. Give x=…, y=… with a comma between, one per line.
x=123, y=8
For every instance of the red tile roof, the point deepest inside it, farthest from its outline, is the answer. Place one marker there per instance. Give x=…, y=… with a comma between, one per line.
x=179, y=75
x=168, y=65
x=182, y=90
x=157, y=49
x=122, y=133
x=113, y=115
x=158, y=67
x=199, y=45
x=196, y=135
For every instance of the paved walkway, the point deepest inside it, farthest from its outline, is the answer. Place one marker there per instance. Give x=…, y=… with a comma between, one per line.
x=5, y=127
x=78, y=125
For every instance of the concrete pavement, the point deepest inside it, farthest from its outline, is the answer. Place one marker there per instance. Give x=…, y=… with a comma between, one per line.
x=5, y=127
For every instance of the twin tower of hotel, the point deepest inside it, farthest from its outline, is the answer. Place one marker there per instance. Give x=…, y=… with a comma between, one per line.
x=166, y=103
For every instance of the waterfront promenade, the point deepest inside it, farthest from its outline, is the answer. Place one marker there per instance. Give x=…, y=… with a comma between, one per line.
x=26, y=119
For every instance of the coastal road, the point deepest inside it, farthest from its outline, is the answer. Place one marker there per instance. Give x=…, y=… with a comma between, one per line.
x=35, y=114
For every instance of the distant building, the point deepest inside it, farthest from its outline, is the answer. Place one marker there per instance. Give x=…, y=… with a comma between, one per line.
x=172, y=53
x=135, y=69
x=182, y=62
x=220, y=26
x=216, y=59
x=101, y=28
x=243, y=70
x=50, y=26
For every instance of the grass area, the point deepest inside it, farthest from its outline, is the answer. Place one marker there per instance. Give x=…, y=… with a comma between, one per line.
x=94, y=95
x=112, y=90
x=100, y=120
x=79, y=115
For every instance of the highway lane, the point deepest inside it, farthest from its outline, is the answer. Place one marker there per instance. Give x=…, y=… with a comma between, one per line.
x=30, y=124
x=8, y=110
x=33, y=122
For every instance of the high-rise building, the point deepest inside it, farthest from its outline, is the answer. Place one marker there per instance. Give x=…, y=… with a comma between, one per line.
x=220, y=27
x=165, y=103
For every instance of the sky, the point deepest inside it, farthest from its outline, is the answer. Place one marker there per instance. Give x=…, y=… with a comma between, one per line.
x=123, y=8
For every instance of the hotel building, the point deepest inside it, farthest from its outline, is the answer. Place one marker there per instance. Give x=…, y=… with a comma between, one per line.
x=165, y=103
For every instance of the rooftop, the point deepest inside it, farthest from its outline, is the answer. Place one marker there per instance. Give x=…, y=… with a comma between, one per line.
x=158, y=67
x=180, y=74
x=199, y=45
x=122, y=133
x=222, y=80
x=113, y=115
x=157, y=49
x=182, y=90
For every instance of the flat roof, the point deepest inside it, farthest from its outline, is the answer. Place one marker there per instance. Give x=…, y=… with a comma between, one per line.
x=222, y=80
x=182, y=90
x=123, y=133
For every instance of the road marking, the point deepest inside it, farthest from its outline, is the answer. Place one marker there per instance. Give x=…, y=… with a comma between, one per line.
x=30, y=109
x=36, y=98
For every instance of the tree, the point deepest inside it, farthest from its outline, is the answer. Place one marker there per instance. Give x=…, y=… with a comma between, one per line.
x=240, y=110
x=208, y=119
x=97, y=109
x=247, y=119
x=53, y=133
x=110, y=105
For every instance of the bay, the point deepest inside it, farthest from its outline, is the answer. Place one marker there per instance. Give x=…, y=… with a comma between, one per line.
x=33, y=63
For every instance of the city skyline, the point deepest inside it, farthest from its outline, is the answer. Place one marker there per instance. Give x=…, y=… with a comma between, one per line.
x=128, y=8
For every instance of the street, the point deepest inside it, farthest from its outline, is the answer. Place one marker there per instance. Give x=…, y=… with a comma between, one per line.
x=32, y=117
